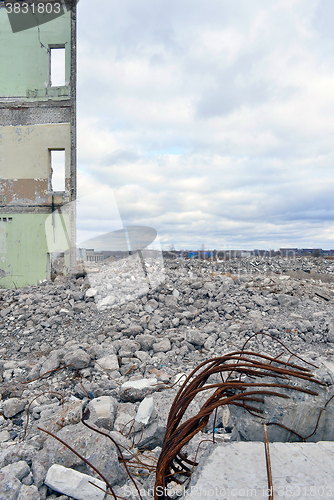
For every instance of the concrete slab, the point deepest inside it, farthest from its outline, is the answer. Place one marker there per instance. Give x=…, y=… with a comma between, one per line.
x=302, y=471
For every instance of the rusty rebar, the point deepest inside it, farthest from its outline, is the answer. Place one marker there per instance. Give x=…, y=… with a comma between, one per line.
x=268, y=463
x=233, y=392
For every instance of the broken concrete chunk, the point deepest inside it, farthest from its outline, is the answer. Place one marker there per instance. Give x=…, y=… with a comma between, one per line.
x=29, y=493
x=162, y=346
x=196, y=338
x=52, y=363
x=103, y=411
x=18, y=469
x=9, y=486
x=133, y=329
x=145, y=410
x=137, y=390
x=78, y=358
x=4, y=436
x=13, y=406
x=98, y=449
x=107, y=301
x=146, y=341
x=125, y=416
x=74, y=484
x=107, y=363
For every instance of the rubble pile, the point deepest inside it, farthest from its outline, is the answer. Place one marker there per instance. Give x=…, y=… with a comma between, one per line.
x=63, y=352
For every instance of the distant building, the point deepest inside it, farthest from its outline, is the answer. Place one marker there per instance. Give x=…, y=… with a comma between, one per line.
x=92, y=256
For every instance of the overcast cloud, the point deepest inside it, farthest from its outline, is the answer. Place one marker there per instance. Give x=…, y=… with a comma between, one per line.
x=210, y=121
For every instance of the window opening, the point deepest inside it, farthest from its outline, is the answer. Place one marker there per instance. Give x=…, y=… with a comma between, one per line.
x=57, y=178
x=57, y=66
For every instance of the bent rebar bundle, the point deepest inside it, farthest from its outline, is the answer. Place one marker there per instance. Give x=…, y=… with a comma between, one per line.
x=239, y=372
x=173, y=464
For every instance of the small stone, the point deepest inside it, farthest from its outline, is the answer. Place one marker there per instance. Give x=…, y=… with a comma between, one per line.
x=38, y=472
x=196, y=338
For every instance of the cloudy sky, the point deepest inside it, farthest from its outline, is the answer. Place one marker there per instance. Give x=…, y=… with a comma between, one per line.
x=211, y=121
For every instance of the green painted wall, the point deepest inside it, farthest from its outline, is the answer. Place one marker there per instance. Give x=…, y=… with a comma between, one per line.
x=25, y=243
x=24, y=63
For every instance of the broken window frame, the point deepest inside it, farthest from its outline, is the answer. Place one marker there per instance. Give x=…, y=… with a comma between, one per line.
x=56, y=47
x=51, y=171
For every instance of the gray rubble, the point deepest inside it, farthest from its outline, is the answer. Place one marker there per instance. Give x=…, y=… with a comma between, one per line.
x=63, y=353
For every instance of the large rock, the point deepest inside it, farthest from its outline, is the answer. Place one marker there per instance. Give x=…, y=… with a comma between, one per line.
x=107, y=363
x=18, y=469
x=146, y=341
x=196, y=338
x=52, y=363
x=299, y=413
x=77, y=358
x=13, y=406
x=98, y=449
x=74, y=484
x=163, y=346
x=103, y=411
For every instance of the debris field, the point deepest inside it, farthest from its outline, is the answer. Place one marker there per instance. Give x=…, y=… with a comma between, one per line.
x=73, y=360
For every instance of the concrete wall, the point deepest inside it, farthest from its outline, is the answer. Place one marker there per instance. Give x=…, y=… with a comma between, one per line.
x=23, y=268
x=25, y=59
x=39, y=235
x=25, y=161
x=35, y=118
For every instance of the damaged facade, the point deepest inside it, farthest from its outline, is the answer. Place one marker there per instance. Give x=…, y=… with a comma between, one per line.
x=37, y=147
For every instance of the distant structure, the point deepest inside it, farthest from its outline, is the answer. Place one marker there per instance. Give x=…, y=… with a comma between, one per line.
x=37, y=144
x=233, y=254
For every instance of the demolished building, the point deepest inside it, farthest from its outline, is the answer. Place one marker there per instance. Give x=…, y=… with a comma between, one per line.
x=37, y=142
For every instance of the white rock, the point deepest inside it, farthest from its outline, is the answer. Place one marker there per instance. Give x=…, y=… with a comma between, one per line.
x=91, y=292
x=145, y=410
x=104, y=408
x=4, y=436
x=107, y=363
x=107, y=301
x=179, y=379
x=74, y=484
x=143, y=383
